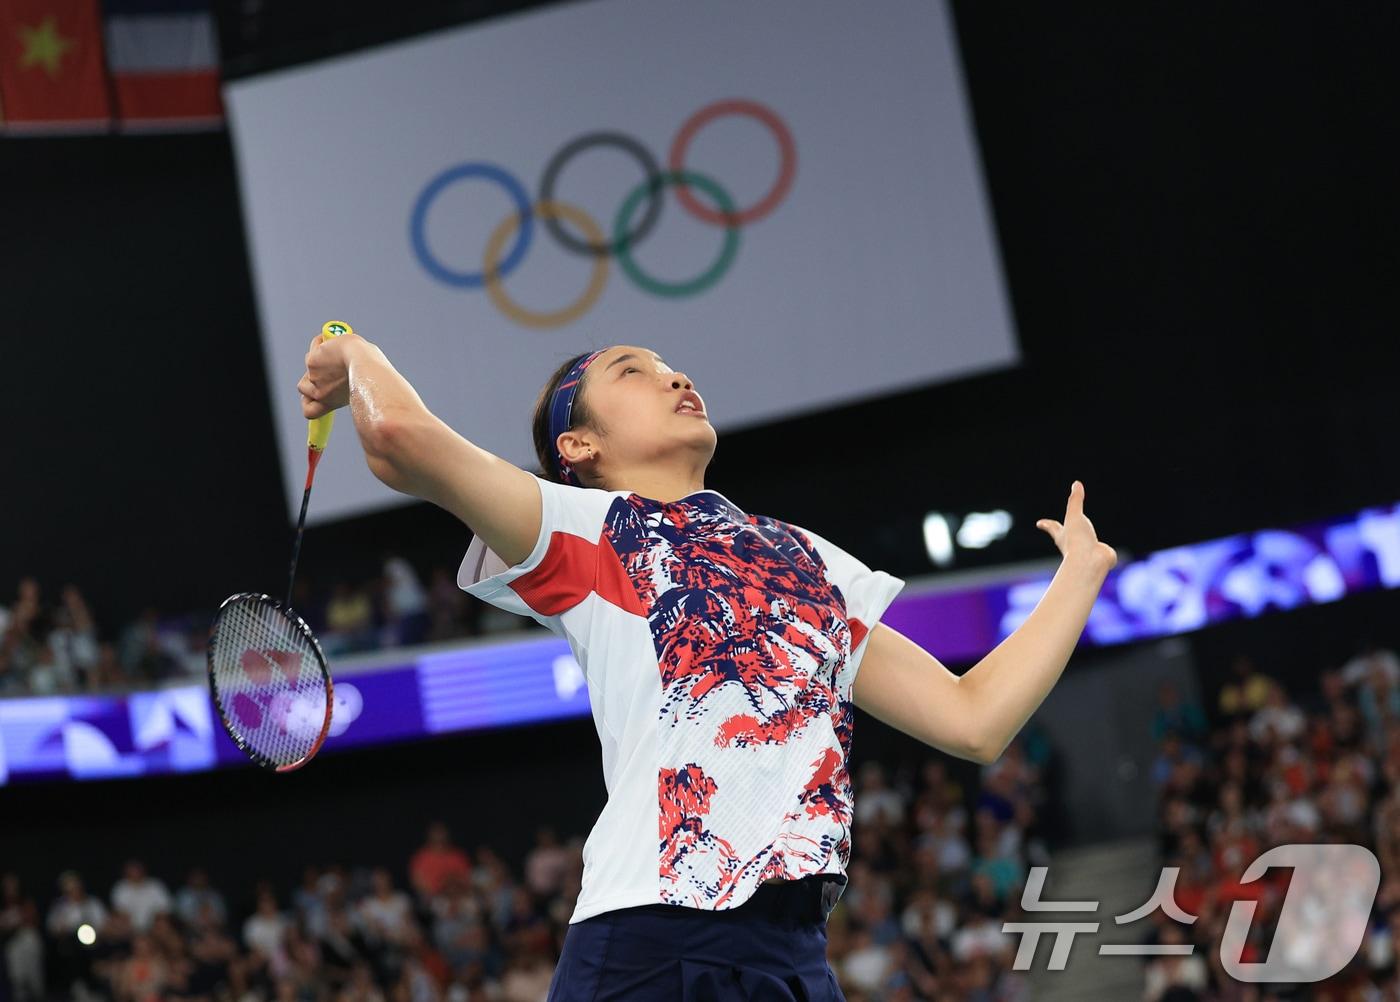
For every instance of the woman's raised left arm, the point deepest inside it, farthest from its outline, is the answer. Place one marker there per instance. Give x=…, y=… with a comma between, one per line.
x=975, y=715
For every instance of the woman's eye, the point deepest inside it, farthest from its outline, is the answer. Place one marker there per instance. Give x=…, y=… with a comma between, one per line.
x=630, y=369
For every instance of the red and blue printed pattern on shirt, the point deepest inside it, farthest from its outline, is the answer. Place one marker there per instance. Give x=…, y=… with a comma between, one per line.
x=749, y=636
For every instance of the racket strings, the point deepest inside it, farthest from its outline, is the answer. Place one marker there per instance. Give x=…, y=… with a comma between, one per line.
x=269, y=680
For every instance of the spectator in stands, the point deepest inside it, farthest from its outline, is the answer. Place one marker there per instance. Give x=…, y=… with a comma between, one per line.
x=876, y=797
x=527, y=977
x=385, y=917
x=475, y=954
x=23, y=632
x=11, y=682
x=1371, y=656
x=333, y=886
x=361, y=987
x=142, y=976
x=1386, y=831
x=1246, y=691
x=143, y=652
x=386, y=912
x=1003, y=871
x=21, y=944
x=188, y=645
x=1345, y=796
x=927, y=914
x=265, y=929
x=112, y=948
x=525, y=928
x=1378, y=699
x=1175, y=977
x=168, y=937
x=979, y=934
x=1174, y=713
x=422, y=972
x=1172, y=754
x=941, y=792
x=343, y=946
x=1332, y=692
x=866, y=964
x=349, y=620
x=140, y=895
x=74, y=910
x=108, y=673
x=546, y=864
x=309, y=902
x=437, y=862
x=492, y=879
x=49, y=675
x=951, y=852
x=1289, y=817
x=197, y=898
x=74, y=638
x=447, y=606
x=405, y=604
x=300, y=980
x=1232, y=816
x=1278, y=720
x=459, y=912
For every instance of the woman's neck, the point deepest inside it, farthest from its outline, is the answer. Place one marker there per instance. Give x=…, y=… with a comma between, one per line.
x=658, y=485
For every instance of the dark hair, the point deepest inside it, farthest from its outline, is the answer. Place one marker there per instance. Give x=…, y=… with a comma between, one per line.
x=544, y=445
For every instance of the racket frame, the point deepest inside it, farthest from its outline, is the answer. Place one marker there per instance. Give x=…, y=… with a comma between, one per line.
x=306, y=632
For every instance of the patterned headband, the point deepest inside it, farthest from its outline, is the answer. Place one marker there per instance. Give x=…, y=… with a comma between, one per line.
x=561, y=410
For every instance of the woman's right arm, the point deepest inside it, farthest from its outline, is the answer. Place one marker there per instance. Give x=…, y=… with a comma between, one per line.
x=413, y=451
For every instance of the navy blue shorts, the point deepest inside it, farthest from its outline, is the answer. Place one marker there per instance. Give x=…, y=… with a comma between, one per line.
x=772, y=948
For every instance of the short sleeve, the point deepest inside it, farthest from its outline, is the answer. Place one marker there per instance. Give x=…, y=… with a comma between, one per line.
x=868, y=593
x=561, y=568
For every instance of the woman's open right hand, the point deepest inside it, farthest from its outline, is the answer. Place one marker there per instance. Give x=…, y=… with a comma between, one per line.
x=1075, y=537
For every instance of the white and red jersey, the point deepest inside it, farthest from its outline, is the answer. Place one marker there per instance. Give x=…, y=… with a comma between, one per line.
x=720, y=649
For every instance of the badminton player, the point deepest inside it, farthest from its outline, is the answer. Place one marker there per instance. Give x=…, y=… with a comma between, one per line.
x=724, y=652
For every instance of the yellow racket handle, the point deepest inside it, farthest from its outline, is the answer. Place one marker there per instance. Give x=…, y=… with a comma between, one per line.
x=319, y=429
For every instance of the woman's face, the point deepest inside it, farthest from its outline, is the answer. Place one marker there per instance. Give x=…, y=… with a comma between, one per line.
x=648, y=410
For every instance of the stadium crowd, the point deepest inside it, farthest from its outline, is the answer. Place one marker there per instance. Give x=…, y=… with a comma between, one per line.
x=54, y=644
x=1320, y=765
x=936, y=868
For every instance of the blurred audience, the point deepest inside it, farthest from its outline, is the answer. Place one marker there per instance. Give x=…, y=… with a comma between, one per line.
x=52, y=647
x=1321, y=765
x=405, y=605
x=141, y=896
x=937, y=866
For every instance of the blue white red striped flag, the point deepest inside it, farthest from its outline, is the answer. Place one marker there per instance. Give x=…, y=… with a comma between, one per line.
x=163, y=56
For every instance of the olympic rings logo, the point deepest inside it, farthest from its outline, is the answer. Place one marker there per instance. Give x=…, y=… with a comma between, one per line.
x=518, y=228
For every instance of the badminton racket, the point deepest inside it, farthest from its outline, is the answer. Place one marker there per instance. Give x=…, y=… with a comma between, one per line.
x=267, y=673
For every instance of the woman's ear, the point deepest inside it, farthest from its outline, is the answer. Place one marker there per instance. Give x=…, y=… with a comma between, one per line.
x=576, y=448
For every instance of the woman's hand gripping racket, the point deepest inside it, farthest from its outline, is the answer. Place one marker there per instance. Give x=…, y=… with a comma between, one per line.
x=267, y=674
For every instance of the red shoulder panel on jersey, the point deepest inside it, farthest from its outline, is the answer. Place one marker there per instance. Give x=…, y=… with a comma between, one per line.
x=572, y=568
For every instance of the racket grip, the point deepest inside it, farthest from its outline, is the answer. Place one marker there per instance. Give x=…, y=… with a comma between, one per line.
x=319, y=429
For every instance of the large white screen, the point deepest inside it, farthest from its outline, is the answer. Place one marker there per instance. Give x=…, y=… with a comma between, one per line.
x=875, y=271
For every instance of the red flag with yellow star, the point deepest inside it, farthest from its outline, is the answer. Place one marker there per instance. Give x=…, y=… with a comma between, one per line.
x=51, y=64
